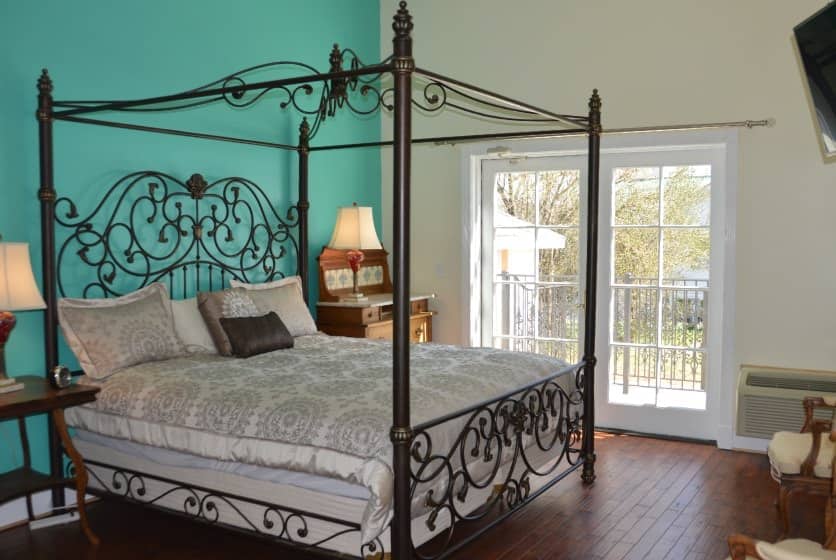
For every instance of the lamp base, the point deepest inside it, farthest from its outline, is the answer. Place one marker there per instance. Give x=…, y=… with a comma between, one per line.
x=354, y=297
x=7, y=323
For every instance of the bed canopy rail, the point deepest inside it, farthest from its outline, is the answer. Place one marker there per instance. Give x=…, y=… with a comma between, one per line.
x=394, y=85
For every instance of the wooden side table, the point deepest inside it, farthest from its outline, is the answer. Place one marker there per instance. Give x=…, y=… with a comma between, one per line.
x=372, y=318
x=39, y=397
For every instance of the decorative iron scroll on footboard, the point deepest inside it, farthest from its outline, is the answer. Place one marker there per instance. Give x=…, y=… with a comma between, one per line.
x=286, y=525
x=191, y=235
x=495, y=451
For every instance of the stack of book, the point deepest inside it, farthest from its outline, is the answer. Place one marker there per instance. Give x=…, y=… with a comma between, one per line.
x=9, y=385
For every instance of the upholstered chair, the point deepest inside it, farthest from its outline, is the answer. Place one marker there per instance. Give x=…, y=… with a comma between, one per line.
x=803, y=462
x=744, y=548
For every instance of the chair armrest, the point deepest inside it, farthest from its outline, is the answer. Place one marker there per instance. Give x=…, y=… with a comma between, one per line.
x=818, y=427
x=741, y=546
x=810, y=405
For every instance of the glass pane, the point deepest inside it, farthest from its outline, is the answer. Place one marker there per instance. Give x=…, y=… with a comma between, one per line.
x=514, y=344
x=682, y=369
x=560, y=198
x=557, y=254
x=514, y=199
x=559, y=315
x=636, y=196
x=636, y=255
x=635, y=366
x=634, y=315
x=513, y=309
x=687, y=195
x=684, y=318
x=514, y=253
x=567, y=351
x=685, y=256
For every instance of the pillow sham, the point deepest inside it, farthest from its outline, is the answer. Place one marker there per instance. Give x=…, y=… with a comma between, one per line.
x=107, y=335
x=250, y=336
x=232, y=302
x=191, y=328
x=285, y=298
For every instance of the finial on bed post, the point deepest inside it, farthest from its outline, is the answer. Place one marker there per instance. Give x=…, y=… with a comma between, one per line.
x=594, y=131
x=303, y=204
x=46, y=195
x=401, y=433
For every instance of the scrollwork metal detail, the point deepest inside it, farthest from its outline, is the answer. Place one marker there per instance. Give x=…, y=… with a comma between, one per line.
x=193, y=235
x=270, y=521
x=501, y=445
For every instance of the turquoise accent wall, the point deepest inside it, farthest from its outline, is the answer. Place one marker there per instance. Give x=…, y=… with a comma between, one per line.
x=113, y=50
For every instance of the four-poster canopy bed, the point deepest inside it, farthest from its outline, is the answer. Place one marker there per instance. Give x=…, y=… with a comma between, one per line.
x=473, y=464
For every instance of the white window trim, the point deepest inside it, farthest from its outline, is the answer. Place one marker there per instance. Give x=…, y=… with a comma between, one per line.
x=471, y=159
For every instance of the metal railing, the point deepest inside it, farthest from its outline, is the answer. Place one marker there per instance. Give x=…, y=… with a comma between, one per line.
x=659, y=332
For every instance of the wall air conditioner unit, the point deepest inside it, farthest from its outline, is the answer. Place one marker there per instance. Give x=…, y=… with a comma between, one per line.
x=770, y=399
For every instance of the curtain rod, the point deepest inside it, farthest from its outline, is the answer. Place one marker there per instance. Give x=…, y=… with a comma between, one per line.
x=770, y=122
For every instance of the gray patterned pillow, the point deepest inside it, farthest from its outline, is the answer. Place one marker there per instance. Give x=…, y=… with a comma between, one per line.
x=229, y=303
x=284, y=297
x=107, y=335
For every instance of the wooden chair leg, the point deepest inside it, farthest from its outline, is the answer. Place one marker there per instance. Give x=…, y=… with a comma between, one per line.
x=783, y=510
x=829, y=540
x=742, y=547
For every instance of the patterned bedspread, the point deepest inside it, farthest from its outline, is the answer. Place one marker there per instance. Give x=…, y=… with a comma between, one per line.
x=322, y=407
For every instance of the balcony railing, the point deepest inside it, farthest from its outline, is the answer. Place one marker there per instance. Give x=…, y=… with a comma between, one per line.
x=658, y=338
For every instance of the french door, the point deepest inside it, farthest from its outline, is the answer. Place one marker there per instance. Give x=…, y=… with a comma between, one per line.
x=661, y=240
x=533, y=213
x=660, y=276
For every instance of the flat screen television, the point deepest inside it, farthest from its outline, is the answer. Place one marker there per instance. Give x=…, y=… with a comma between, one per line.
x=816, y=38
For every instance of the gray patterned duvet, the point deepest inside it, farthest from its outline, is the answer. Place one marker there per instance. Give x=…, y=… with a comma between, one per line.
x=323, y=407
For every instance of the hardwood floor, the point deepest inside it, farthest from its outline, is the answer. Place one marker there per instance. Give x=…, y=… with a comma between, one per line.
x=653, y=499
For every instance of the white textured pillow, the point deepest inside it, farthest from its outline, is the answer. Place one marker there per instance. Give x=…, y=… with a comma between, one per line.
x=110, y=334
x=191, y=328
x=285, y=298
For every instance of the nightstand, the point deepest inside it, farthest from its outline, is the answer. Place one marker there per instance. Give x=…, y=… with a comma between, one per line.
x=38, y=397
x=373, y=318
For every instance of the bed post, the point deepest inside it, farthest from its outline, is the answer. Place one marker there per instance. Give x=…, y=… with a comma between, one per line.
x=589, y=358
x=303, y=204
x=401, y=432
x=46, y=194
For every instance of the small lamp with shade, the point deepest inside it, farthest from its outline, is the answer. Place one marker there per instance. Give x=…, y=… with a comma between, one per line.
x=354, y=233
x=18, y=292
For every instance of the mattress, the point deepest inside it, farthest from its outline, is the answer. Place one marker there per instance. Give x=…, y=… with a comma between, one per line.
x=171, y=458
x=321, y=408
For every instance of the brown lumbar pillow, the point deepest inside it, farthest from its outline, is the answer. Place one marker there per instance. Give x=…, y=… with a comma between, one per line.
x=256, y=335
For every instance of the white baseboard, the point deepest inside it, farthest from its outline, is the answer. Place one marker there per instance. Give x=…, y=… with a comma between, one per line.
x=14, y=512
x=757, y=445
x=725, y=437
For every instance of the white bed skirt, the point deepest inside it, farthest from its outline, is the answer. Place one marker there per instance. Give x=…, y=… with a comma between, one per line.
x=240, y=514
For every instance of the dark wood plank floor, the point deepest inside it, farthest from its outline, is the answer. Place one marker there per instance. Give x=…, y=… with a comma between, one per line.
x=653, y=499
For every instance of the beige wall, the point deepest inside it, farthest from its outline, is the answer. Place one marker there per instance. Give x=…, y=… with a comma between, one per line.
x=655, y=62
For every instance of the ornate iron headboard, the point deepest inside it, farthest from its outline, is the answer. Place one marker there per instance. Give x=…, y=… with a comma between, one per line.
x=192, y=235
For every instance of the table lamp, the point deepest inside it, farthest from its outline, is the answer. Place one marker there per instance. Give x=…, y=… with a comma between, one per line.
x=18, y=292
x=354, y=232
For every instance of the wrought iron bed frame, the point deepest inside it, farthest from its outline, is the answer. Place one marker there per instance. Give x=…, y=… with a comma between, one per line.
x=543, y=414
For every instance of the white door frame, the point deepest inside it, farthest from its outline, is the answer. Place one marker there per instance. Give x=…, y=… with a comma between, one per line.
x=724, y=212
x=536, y=164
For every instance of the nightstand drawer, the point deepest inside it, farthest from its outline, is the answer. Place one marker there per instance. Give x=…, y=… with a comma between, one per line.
x=348, y=315
x=372, y=318
x=419, y=306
